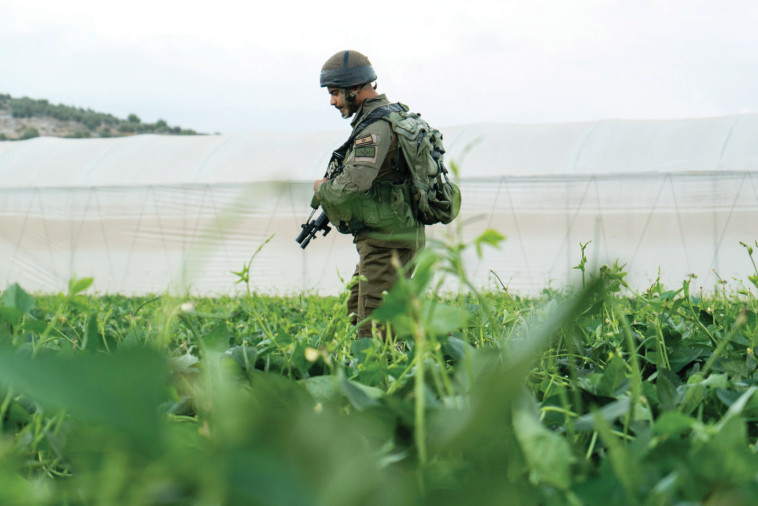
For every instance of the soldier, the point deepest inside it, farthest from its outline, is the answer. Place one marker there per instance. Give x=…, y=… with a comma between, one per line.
x=369, y=197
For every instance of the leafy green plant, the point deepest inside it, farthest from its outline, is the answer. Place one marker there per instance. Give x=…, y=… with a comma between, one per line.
x=603, y=395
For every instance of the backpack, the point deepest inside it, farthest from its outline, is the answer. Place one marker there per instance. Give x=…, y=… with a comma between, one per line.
x=434, y=197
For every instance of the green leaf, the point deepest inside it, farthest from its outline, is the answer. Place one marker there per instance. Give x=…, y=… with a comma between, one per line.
x=490, y=237
x=243, y=275
x=613, y=377
x=735, y=410
x=667, y=391
x=457, y=348
x=360, y=348
x=244, y=356
x=11, y=315
x=298, y=361
x=283, y=339
x=442, y=319
x=322, y=388
x=724, y=458
x=547, y=453
x=372, y=373
x=80, y=302
x=608, y=413
x=15, y=298
x=683, y=355
x=92, y=340
x=76, y=285
x=424, y=266
x=218, y=337
x=360, y=396
x=18, y=414
x=394, y=309
x=626, y=469
x=32, y=325
x=121, y=391
x=184, y=364
x=673, y=423
x=715, y=381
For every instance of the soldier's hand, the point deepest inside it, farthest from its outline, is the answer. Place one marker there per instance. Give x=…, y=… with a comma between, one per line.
x=316, y=184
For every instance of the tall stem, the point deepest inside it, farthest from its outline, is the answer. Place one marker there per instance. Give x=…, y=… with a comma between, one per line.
x=419, y=336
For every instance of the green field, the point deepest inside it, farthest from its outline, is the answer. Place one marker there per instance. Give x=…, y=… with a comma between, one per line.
x=598, y=395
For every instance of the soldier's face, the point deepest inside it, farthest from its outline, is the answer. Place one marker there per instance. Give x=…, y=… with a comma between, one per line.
x=337, y=99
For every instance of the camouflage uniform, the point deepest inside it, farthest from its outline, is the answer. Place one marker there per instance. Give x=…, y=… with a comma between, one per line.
x=370, y=166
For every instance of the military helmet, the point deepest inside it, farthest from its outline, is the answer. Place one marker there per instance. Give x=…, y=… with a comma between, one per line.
x=346, y=69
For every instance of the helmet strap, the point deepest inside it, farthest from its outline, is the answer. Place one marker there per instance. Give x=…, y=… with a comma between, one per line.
x=348, y=105
x=348, y=98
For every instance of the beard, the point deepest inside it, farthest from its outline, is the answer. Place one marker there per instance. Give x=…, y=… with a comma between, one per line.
x=347, y=99
x=346, y=111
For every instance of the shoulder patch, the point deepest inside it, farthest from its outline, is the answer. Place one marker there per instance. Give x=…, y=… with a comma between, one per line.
x=365, y=154
x=365, y=140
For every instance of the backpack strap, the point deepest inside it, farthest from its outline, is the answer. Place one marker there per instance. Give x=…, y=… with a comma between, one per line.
x=383, y=111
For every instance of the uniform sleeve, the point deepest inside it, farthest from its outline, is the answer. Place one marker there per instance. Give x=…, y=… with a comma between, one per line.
x=362, y=163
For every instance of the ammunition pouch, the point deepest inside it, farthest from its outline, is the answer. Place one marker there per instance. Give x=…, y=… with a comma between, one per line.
x=385, y=207
x=340, y=216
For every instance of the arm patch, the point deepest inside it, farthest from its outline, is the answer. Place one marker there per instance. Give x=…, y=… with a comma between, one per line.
x=365, y=154
x=365, y=140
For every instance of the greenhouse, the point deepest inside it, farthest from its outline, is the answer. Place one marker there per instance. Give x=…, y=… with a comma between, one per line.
x=148, y=213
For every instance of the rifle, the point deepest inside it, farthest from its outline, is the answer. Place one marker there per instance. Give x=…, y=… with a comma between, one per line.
x=311, y=227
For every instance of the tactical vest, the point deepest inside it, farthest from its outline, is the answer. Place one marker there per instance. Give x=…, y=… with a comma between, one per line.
x=386, y=206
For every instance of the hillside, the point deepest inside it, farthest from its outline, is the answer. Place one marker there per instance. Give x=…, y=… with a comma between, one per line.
x=24, y=118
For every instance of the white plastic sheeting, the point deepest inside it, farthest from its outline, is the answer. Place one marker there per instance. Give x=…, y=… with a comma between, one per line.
x=150, y=213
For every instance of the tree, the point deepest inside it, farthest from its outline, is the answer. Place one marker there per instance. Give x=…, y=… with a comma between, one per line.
x=80, y=133
x=22, y=110
x=29, y=133
x=133, y=118
x=91, y=122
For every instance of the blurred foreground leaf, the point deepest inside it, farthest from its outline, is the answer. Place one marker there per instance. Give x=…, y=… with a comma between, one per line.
x=547, y=453
x=121, y=391
x=14, y=303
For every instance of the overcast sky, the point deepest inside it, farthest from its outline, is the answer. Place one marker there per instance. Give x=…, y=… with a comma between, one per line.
x=229, y=66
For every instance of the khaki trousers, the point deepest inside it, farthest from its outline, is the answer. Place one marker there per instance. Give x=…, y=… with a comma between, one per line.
x=375, y=264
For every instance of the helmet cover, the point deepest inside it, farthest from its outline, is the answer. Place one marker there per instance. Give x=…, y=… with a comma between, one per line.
x=346, y=69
